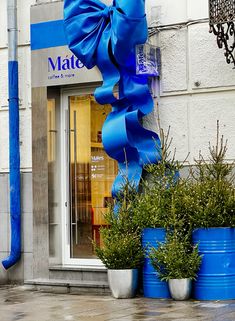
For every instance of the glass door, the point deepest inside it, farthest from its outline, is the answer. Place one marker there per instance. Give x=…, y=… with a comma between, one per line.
x=89, y=174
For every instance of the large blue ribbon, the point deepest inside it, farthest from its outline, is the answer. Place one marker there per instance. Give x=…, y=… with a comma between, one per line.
x=106, y=37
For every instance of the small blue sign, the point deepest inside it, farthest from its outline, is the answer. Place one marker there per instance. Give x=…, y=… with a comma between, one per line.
x=147, y=60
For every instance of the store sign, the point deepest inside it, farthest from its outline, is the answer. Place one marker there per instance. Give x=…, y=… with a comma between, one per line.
x=63, y=67
x=52, y=62
x=64, y=63
x=58, y=66
x=147, y=60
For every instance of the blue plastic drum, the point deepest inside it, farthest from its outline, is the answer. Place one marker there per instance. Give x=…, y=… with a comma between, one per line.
x=153, y=287
x=216, y=276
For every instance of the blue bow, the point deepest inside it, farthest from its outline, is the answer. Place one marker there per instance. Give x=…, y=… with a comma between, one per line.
x=106, y=37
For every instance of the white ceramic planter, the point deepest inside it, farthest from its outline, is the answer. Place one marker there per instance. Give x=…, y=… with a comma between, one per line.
x=123, y=283
x=180, y=289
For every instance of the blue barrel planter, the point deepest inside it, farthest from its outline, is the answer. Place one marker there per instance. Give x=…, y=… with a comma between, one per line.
x=216, y=276
x=153, y=287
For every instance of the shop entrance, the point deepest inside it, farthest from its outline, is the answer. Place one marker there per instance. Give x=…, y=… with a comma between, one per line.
x=88, y=176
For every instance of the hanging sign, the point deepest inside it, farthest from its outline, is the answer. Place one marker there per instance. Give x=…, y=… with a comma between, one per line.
x=147, y=60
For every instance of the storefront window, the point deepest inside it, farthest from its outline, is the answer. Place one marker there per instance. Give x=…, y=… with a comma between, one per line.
x=91, y=174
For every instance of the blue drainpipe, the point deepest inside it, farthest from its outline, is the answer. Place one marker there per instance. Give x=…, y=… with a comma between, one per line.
x=14, y=146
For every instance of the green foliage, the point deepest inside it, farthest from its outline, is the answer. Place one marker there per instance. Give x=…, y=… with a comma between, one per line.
x=211, y=204
x=157, y=201
x=204, y=199
x=211, y=200
x=121, y=239
x=126, y=200
x=163, y=200
x=120, y=251
x=164, y=174
x=175, y=259
x=149, y=209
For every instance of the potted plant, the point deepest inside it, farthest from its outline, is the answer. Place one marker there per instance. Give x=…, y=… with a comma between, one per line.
x=121, y=252
x=176, y=261
x=211, y=205
x=152, y=209
x=152, y=213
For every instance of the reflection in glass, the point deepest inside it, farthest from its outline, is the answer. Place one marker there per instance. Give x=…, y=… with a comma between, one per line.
x=91, y=173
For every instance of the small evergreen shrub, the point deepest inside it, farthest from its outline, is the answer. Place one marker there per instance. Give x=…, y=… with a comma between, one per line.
x=175, y=259
x=121, y=247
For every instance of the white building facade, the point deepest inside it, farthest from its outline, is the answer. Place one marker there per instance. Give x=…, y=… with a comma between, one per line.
x=196, y=88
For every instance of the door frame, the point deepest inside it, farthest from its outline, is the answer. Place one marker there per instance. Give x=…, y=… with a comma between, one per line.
x=65, y=202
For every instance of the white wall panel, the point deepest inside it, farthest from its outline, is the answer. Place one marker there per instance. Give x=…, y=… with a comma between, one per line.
x=24, y=77
x=173, y=46
x=3, y=23
x=197, y=9
x=25, y=139
x=24, y=20
x=3, y=78
x=4, y=140
x=166, y=11
x=25, y=102
x=204, y=112
x=173, y=113
x=23, y=7
x=206, y=61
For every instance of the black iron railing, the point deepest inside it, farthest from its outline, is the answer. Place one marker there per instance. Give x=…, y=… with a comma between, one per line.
x=222, y=24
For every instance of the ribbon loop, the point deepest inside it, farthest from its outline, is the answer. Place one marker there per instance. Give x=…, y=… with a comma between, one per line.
x=106, y=12
x=106, y=37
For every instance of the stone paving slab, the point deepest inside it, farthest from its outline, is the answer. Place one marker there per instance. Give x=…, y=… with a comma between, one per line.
x=19, y=303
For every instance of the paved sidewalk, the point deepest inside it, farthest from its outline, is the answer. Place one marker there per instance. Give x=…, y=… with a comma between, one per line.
x=17, y=303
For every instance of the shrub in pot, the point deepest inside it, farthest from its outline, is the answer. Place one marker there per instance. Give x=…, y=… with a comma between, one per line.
x=121, y=252
x=177, y=262
x=152, y=211
x=211, y=206
x=156, y=188
x=168, y=206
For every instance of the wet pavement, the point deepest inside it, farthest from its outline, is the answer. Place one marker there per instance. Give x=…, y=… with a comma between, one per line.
x=18, y=303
